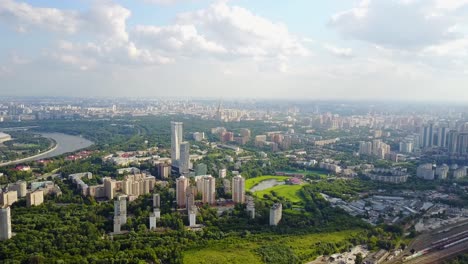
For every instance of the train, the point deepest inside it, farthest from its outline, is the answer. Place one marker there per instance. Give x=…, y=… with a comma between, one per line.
x=441, y=244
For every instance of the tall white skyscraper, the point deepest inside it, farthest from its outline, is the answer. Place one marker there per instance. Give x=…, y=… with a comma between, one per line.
x=176, y=139
x=5, y=223
x=184, y=161
x=238, y=189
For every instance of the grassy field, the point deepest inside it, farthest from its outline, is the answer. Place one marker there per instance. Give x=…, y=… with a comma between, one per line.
x=222, y=252
x=290, y=192
x=243, y=250
x=249, y=183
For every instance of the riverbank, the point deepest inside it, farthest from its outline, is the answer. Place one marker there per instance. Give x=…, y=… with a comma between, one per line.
x=63, y=144
x=31, y=158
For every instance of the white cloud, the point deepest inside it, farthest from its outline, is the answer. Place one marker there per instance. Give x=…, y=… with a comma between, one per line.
x=176, y=38
x=162, y=2
x=90, y=55
x=225, y=32
x=450, y=4
x=395, y=23
x=104, y=19
x=243, y=33
x=23, y=16
x=107, y=20
x=455, y=48
x=339, y=52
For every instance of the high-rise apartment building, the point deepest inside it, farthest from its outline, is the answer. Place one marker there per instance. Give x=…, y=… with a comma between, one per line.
x=190, y=198
x=35, y=198
x=193, y=216
x=406, y=146
x=8, y=198
x=209, y=190
x=184, y=161
x=20, y=187
x=425, y=171
x=181, y=189
x=376, y=148
x=152, y=221
x=442, y=136
x=452, y=141
x=251, y=206
x=463, y=143
x=120, y=209
x=156, y=200
x=5, y=223
x=238, y=189
x=428, y=135
x=117, y=224
x=164, y=170
x=276, y=213
x=109, y=187
x=176, y=140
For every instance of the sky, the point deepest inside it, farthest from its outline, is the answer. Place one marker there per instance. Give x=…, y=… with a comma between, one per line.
x=411, y=50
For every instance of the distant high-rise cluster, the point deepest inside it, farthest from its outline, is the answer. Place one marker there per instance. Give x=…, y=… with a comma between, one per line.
x=440, y=135
x=132, y=185
x=375, y=148
x=430, y=171
x=206, y=186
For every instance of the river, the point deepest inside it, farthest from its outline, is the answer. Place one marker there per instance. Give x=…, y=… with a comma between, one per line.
x=64, y=144
x=265, y=185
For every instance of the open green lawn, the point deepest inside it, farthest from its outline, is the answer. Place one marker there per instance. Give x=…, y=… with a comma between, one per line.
x=290, y=192
x=223, y=251
x=249, y=183
x=243, y=250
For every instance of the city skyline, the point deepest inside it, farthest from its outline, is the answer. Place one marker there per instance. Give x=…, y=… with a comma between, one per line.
x=350, y=50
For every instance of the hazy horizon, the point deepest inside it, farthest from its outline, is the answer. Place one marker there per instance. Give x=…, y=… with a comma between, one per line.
x=396, y=50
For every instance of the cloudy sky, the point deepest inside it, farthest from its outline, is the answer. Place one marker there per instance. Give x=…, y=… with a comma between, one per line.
x=346, y=49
